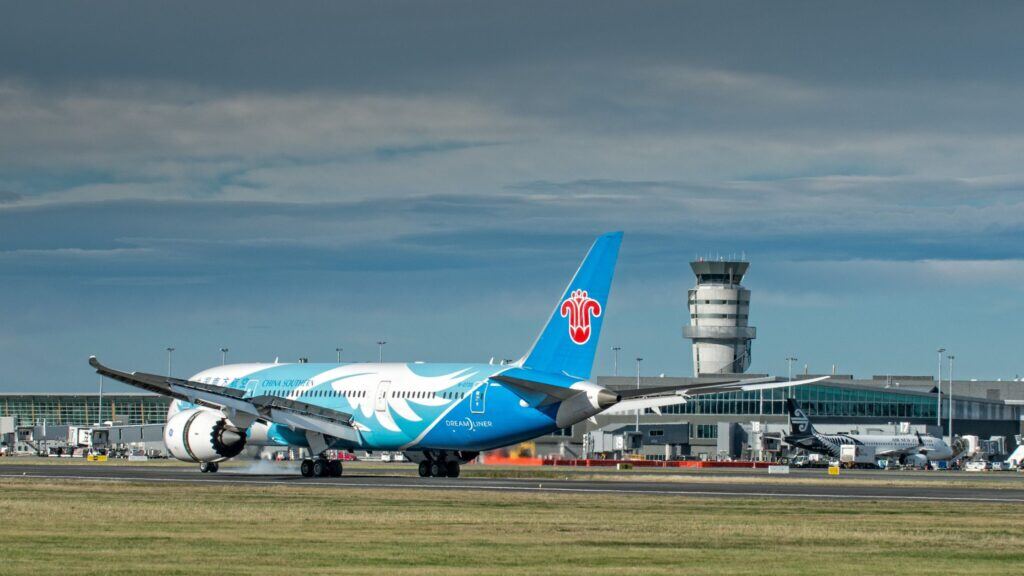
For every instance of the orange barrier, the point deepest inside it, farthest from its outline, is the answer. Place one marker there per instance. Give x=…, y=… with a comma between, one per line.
x=507, y=461
x=657, y=463
x=594, y=463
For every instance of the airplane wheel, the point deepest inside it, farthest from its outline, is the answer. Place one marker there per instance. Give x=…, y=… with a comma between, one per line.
x=320, y=468
x=307, y=468
x=214, y=467
x=437, y=469
x=334, y=468
x=424, y=469
x=453, y=469
x=204, y=467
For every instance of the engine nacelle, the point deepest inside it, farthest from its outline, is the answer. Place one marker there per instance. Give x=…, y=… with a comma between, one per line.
x=593, y=400
x=915, y=460
x=200, y=435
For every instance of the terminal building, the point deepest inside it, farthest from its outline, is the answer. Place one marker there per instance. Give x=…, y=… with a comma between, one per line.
x=734, y=424
x=34, y=421
x=84, y=409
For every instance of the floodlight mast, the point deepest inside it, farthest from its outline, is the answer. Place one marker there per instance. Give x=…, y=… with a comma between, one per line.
x=938, y=390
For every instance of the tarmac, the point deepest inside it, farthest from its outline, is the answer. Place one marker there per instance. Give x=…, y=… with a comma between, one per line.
x=1007, y=487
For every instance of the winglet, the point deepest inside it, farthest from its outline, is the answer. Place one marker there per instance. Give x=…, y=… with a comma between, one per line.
x=94, y=362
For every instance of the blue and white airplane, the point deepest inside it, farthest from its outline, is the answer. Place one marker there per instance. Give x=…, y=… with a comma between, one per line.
x=440, y=415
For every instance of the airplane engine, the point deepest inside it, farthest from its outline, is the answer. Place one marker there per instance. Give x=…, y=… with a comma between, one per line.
x=200, y=435
x=915, y=460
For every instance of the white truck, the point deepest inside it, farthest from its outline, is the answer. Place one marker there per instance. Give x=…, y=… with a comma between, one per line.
x=857, y=455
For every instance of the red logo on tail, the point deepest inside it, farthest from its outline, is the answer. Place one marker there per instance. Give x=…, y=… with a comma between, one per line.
x=579, y=308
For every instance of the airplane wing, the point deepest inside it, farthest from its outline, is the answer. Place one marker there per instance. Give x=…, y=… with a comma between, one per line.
x=234, y=404
x=657, y=398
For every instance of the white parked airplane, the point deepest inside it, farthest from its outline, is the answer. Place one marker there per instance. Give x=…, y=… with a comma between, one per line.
x=908, y=449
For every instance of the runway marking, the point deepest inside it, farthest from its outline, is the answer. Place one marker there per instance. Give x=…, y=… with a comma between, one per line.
x=538, y=488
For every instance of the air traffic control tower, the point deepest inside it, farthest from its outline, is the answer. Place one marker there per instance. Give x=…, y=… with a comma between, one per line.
x=719, y=307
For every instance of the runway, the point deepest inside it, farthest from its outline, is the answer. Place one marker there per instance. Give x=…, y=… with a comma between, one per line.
x=774, y=487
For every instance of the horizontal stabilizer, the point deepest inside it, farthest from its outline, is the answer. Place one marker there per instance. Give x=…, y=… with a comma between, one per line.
x=536, y=393
x=700, y=388
x=661, y=396
x=634, y=404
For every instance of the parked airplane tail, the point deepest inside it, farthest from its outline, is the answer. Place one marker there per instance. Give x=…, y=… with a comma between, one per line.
x=799, y=423
x=569, y=340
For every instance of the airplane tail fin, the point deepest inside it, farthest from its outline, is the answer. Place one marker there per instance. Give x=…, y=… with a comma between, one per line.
x=799, y=424
x=569, y=340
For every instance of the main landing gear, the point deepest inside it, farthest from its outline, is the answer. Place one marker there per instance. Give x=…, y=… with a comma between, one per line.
x=439, y=468
x=210, y=467
x=321, y=468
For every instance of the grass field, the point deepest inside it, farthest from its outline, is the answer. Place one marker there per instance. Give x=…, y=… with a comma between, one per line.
x=125, y=528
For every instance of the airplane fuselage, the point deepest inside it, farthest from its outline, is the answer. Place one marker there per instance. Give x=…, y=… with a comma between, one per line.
x=884, y=444
x=395, y=406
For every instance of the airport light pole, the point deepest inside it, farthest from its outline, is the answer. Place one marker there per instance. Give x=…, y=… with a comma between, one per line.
x=99, y=414
x=789, y=370
x=380, y=350
x=951, y=358
x=639, y=410
x=223, y=356
x=938, y=397
x=170, y=351
x=615, y=366
x=789, y=366
x=338, y=350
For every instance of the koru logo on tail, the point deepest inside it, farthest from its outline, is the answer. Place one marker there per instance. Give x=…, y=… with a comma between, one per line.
x=580, y=308
x=800, y=420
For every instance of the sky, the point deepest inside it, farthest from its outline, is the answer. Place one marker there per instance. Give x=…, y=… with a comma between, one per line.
x=284, y=179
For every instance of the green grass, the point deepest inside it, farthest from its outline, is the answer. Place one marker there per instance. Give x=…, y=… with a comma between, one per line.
x=126, y=528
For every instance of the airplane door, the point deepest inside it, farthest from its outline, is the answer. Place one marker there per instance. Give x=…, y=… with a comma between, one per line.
x=478, y=401
x=382, y=395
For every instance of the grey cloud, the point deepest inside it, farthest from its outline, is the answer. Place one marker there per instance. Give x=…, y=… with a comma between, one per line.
x=399, y=45
x=795, y=69
x=195, y=238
